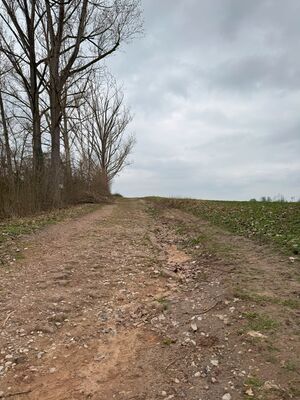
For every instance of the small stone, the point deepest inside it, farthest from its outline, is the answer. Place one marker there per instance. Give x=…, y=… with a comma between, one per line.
x=213, y=379
x=249, y=392
x=256, y=334
x=44, y=329
x=194, y=326
x=176, y=380
x=161, y=317
x=214, y=362
x=197, y=374
x=226, y=396
x=270, y=385
x=163, y=393
x=52, y=370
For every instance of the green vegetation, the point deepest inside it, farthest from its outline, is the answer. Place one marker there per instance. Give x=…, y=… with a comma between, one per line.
x=263, y=299
x=164, y=302
x=254, y=382
x=274, y=222
x=13, y=228
x=260, y=322
x=290, y=366
x=168, y=341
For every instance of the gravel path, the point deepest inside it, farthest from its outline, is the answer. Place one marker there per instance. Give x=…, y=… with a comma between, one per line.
x=137, y=302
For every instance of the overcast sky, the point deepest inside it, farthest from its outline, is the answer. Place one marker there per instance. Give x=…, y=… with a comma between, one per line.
x=214, y=86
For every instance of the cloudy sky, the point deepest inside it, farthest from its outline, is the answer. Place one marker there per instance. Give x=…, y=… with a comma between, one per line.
x=214, y=86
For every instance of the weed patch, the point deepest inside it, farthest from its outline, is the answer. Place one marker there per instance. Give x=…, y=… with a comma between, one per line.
x=260, y=322
x=276, y=222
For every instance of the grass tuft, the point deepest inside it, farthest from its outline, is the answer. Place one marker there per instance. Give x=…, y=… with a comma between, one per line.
x=260, y=322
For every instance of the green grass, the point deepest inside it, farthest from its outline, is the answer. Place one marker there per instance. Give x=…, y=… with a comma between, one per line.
x=168, y=341
x=277, y=223
x=260, y=322
x=263, y=299
x=290, y=366
x=254, y=382
x=13, y=228
x=164, y=302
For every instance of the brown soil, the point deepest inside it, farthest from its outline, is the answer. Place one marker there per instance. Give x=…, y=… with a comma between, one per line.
x=123, y=303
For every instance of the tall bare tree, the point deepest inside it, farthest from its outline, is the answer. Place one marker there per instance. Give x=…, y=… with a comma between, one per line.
x=5, y=131
x=105, y=125
x=51, y=47
x=78, y=34
x=18, y=41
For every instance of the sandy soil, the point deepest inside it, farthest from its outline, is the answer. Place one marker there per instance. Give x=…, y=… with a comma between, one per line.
x=137, y=302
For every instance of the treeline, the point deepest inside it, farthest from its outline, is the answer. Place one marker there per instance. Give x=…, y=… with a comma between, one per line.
x=276, y=199
x=63, y=121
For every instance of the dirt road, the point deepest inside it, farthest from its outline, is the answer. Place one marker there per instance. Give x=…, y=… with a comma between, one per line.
x=137, y=302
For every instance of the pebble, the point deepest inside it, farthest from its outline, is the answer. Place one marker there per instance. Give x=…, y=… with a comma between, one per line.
x=214, y=362
x=197, y=374
x=226, y=396
x=52, y=370
x=270, y=385
x=256, y=334
x=194, y=326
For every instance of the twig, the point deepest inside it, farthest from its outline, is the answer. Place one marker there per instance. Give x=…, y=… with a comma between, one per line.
x=173, y=362
x=7, y=318
x=18, y=393
x=210, y=308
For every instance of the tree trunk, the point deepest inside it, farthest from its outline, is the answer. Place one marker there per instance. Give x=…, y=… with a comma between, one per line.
x=6, y=139
x=105, y=182
x=33, y=94
x=37, y=158
x=55, y=178
x=55, y=92
x=68, y=167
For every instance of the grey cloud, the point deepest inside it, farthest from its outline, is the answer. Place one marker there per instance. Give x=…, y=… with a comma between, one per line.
x=257, y=73
x=215, y=90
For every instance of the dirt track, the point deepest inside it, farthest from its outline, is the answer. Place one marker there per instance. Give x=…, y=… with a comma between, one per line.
x=123, y=303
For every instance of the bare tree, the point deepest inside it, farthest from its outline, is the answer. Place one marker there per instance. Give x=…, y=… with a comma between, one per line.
x=105, y=126
x=18, y=41
x=77, y=35
x=5, y=130
x=51, y=47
